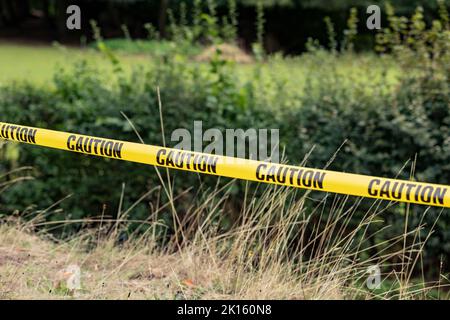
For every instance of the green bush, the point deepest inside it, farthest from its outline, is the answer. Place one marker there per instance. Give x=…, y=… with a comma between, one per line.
x=83, y=101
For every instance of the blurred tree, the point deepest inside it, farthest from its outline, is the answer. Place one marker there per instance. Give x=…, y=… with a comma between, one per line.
x=13, y=11
x=304, y=16
x=162, y=17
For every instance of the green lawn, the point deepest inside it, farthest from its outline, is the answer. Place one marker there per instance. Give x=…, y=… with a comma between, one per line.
x=38, y=63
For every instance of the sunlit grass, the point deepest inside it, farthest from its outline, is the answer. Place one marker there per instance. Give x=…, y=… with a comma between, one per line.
x=38, y=63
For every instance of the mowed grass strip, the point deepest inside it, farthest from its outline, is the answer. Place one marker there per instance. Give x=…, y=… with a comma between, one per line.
x=38, y=63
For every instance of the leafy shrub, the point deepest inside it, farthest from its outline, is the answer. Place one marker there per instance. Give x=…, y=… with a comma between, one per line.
x=384, y=131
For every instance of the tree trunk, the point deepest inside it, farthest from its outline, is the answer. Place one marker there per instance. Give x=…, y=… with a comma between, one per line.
x=7, y=12
x=162, y=19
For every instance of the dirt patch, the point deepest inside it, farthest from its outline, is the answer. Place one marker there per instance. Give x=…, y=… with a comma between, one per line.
x=228, y=52
x=13, y=256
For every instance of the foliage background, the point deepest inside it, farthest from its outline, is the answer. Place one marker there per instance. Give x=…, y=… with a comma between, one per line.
x=45, y=19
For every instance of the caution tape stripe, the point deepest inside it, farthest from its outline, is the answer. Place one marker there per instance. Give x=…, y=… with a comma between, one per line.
x=292, y=176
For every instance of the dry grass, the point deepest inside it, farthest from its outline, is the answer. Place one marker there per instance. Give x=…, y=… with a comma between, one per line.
x=30, y=267
x=275, y=251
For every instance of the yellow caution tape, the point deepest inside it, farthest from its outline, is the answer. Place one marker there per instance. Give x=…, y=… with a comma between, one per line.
x=292, y=176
